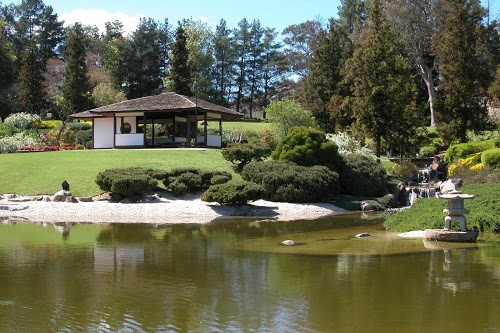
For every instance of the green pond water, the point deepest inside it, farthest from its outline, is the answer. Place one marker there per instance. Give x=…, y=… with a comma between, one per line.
x=235, y=276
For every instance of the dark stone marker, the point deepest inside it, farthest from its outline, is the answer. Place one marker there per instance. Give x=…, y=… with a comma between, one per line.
x=65, y=186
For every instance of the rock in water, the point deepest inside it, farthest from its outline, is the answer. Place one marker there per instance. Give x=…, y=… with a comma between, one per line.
x=288, y=242
x=361, y=235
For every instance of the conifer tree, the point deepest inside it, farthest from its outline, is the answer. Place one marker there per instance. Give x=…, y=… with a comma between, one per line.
x=180, y=73
x=222, y=70
x=457, y=43
x=76, y=90
x=32, y=94
x=383, y=91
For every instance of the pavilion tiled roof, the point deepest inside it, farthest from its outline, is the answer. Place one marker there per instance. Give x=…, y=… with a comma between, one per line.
x=164, y=102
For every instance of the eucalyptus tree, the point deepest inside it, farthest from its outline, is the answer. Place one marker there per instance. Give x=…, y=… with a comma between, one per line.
x=274, y=64
x=199, y=44
x=324, y=75
x=415, y=23
x=457, y=43
x=299, y=42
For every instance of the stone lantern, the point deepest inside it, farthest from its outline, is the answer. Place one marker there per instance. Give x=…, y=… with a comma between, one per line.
x=454, y=212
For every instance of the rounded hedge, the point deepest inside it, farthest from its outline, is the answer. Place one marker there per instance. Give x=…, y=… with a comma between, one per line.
x=462, y=150
x=362, y=176
x=186, y=180
x=288, y=182
x=233, y=193
x=308, y=147
x=491, y=158
x=126, y=181
x=243, y=153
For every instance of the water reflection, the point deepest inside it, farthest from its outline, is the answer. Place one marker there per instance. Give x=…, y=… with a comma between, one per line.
x=199, y=278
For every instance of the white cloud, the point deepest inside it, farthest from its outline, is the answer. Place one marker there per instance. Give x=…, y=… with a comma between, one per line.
x=98, y=17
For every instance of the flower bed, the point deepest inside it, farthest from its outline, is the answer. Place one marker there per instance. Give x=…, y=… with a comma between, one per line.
x=43, y=148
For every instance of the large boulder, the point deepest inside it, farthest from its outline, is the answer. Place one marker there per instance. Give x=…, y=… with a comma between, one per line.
x=61, y=196
x=450, y=185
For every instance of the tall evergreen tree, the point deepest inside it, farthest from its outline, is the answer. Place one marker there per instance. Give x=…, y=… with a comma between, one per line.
x=242, y=40
x=255, y=64
x=457, y=44
x=222, y=70
x=180, y=73
x=383, y=90
x=76, y=90
x=32, y=94
x=143, y=60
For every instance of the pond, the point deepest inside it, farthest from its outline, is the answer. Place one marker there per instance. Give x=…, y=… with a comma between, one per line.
x=235, y=276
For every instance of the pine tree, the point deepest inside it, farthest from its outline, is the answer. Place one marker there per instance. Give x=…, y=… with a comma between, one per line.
x=180, y=73
x=76, y=90
x=383, y=90
x=222, y=70
x=274, y=64
x=143, y=59
x=242, y=38
x=32, y=94
x=457, y=44
x=255, y=64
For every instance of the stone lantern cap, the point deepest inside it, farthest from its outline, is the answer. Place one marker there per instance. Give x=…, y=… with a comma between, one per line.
x=456, y=195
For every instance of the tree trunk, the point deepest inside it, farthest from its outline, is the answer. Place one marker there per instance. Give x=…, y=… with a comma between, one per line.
x=426, y=74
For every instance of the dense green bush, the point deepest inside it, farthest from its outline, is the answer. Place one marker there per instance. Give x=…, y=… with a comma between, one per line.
x=243, y=153
x=8, y=129
x=308, y=147
x=126, y=181
x=491, y=158
x=84, y=137
x=75, y=127
x=431, y=149
x=186, y=180
x=363, y=177
x=288, y=182
x=462, y=150
x=233, y=193
x=405, y=170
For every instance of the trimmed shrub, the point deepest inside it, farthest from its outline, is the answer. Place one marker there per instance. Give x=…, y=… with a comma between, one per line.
x=463, y=150
x=84, y=137
x=431, y=149
x=308, y=147
x=218, y=179
x=186, y=180
x=362, y=176
x=243, y=153
x=491, y=158
x=233, y=193
x=288, y=182
x=126, y=181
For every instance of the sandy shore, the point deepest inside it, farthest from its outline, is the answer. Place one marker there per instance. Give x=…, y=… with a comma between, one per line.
x=161, y=208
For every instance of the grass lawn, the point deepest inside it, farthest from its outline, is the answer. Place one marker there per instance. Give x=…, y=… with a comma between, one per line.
x=241, y=125
x=43, y=173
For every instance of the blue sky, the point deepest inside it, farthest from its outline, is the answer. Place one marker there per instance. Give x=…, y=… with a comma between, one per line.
x=272, y=13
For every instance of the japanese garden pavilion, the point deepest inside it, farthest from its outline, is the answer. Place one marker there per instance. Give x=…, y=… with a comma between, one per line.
x=165, y=120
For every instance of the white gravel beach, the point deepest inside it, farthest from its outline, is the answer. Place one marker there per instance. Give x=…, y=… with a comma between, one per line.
x=162, y=208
